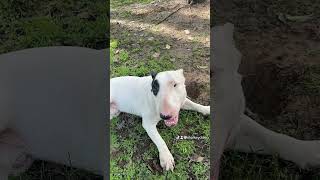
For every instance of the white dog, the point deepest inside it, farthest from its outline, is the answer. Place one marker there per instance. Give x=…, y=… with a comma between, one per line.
x=52, y=108
x=232, y=129
x=155, y=97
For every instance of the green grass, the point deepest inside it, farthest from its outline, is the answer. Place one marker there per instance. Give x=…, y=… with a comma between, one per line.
x=133, y=154
x=236, y=165
x=311, y=81
x=116, y=3
x=33, y=23
x=122, y=65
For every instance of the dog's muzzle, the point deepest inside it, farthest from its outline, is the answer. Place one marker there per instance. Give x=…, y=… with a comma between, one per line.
x=164, y=117
x=170, y=120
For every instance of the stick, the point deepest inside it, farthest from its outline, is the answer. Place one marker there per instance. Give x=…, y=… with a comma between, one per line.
x=169, y=15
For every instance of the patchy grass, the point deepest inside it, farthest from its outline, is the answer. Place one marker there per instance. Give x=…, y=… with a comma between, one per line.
x=133, y=154
x=44, y=170
x=254, y=166
x=115, y=3
x=122, y=64
x=27, y=24
x=311, y=80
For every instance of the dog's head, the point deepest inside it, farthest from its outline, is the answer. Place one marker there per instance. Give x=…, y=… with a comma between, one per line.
x=170, y=93
x=225, y=53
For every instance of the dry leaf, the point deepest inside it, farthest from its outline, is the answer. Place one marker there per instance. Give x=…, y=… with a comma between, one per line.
x=286, y=17
x=187, y=31
x=196, y=158
x=168, y=46
x=156, y=55
x=299, y=18
x=190, y=38
x=202, y=67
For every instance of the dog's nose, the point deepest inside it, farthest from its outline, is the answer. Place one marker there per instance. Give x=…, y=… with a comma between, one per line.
x=164, y=117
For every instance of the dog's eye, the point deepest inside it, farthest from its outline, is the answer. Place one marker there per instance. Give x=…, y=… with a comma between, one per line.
x=175, y=85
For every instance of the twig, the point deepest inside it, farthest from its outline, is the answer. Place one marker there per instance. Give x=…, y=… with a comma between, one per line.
x=170, y=15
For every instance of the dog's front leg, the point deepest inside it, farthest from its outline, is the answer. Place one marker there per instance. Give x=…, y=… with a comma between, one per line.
x=166, y=158
x=4, y=174
x=189, y=105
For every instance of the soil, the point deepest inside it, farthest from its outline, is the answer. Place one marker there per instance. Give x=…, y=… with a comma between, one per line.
x=279, y=57
x=187, y=31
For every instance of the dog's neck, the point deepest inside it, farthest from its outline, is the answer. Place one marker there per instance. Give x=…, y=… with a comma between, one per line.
x=150, y=97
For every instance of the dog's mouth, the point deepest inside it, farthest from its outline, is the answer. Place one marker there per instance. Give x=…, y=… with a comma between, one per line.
x=172, y=121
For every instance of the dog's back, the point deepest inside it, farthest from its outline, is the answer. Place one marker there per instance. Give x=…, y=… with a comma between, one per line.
x=125, y=90
x=54, y=100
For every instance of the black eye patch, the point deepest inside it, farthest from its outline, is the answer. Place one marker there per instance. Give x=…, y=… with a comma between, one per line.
x=155, y=84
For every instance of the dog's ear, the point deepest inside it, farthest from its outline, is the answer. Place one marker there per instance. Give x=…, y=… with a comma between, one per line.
x=180, y=71
x=155, y=84
x=153, y=74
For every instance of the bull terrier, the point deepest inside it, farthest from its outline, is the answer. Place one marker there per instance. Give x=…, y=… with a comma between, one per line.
x=154, y=98
x=52, y=107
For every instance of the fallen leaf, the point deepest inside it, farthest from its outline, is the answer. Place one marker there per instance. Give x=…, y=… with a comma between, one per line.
x=282, y=17
x=190, y=38
x=117, y=51
x=156, y=55
x=151, y=38
x=168, y=46
x=286, y=17
x=202, y=67
x=187, y=31
x=196, y=158
x=299, y=18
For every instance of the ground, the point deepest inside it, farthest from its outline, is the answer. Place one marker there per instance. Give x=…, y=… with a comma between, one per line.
x=138, y=46
x=280, y=44
x=38, y=23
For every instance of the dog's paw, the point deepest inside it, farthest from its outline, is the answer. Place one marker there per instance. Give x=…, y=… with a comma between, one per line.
x=166, y=160
x=309, y=155
x=206, y=110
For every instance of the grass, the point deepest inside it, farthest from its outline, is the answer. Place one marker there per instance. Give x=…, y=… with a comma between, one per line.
x=238, y=165
x=115, y=3
x=311, y=81
x=38, y=23
x=133, y=154
x=33, y=23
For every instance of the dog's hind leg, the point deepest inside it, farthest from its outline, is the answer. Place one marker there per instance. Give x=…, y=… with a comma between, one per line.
x=189, y=105
x=251, y=137
x=4, y=173
x=14, y=158
x=114, y=111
